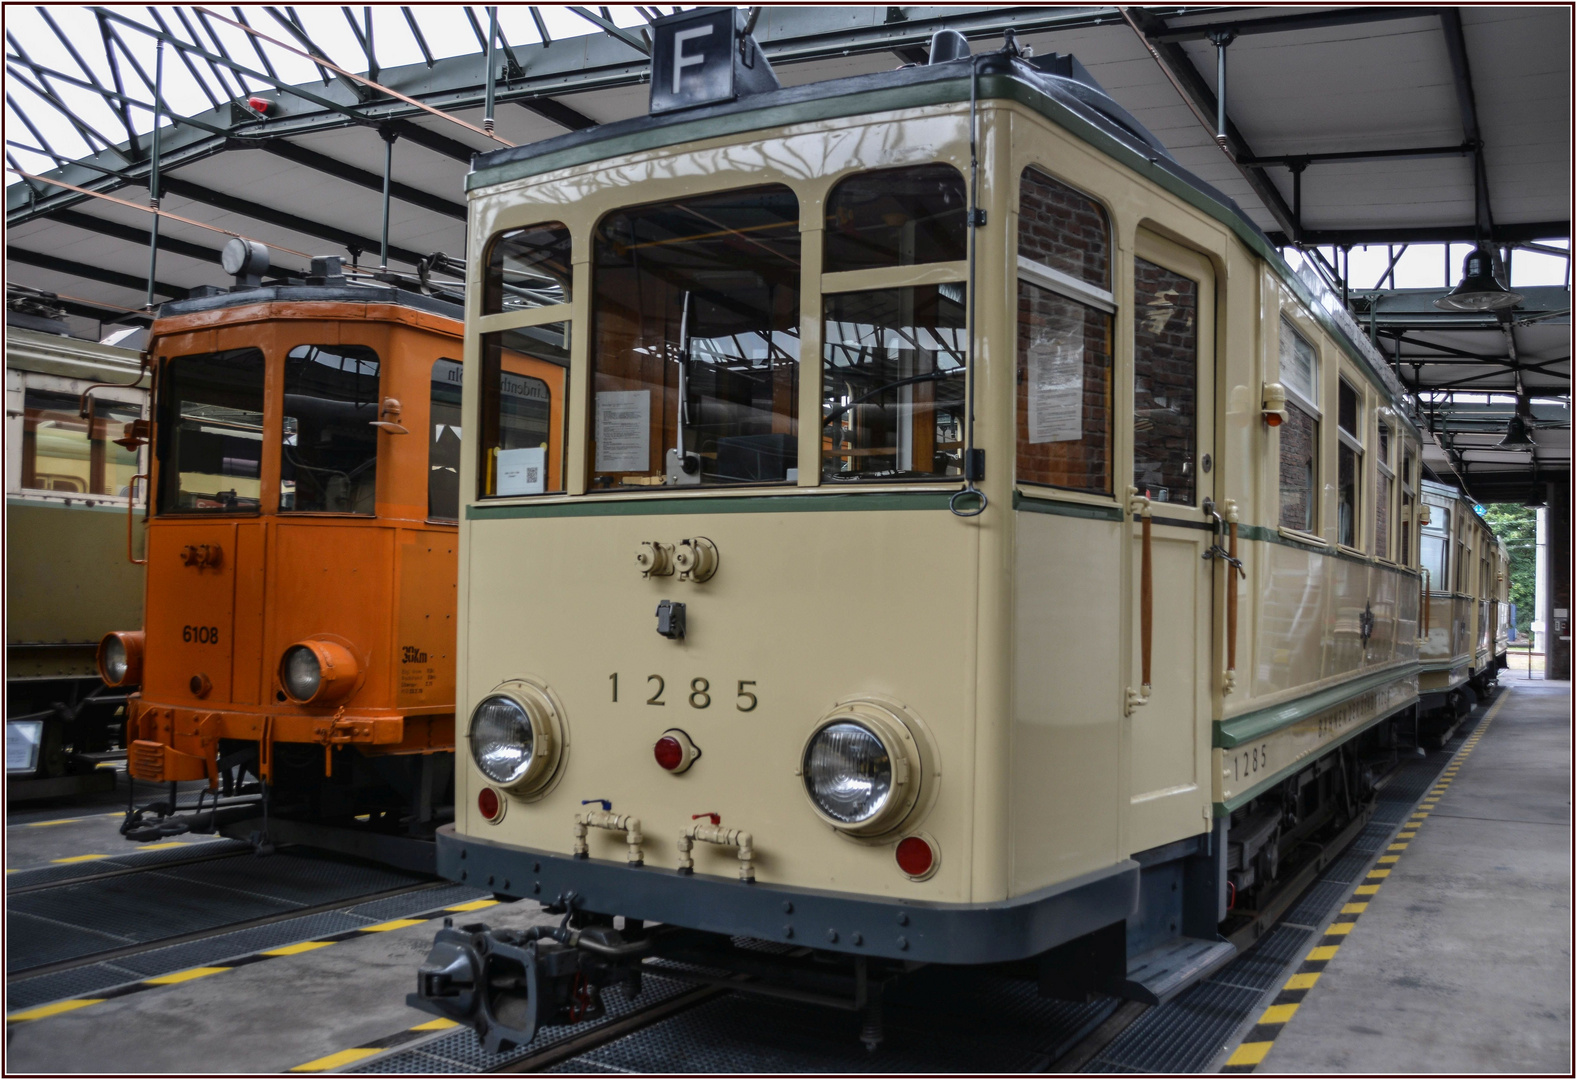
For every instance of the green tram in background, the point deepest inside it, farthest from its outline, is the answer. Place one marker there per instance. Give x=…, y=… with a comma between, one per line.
x=71, y=538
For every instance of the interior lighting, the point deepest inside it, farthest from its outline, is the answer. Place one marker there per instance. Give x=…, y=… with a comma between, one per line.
x=1517, y=435
x=1478, y=290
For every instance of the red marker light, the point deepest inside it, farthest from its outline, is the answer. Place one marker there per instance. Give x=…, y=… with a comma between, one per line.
x=487, y=803
x=258, y=104
x=915, y=856
x=669, y=754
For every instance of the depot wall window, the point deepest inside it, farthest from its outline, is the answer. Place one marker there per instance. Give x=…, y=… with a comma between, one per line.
x=1065, y=312
x=210, y=434
x=1349, y=462
x=1165, y=392
x=525, y=377
x=443, y=441
x=695, y=342
x=1298, y=475
x=896, y=217
x=328, y=447
x=527, y=268
x=64, y=453
x=1384, y=489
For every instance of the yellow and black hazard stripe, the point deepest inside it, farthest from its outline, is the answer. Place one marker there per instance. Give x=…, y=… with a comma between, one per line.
x=1257, y=1043
x=341, y=1058
x=55, y=1008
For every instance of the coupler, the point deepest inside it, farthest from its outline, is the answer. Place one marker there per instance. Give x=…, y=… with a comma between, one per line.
x=507, y=984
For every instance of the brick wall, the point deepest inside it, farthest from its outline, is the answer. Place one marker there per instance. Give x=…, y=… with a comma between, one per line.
x=1166, y=371
x=1300, y=442
x=1063, y=229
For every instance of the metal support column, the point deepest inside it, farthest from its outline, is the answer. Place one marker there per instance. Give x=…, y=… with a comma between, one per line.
x=153, y=171
x=492, y=38
x=1221, y=39
x=388, y=177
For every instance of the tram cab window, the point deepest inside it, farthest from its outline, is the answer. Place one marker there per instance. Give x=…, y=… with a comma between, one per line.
x=525, y=375
x=443, y=442
x=1382, y=490
x=1064, y=398
x=695, y=342
x=328, y=446
x=62, y=452
x=896, y=217
x=892, y=402
x=210, y=439
x=527, y=268
x=1166, y=372
x=1300, y=432
x=1349, y=462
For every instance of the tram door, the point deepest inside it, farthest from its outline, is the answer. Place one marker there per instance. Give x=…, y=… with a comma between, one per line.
x=1173, y=328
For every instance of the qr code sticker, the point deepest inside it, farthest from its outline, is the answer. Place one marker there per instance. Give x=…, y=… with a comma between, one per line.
x=531, y=475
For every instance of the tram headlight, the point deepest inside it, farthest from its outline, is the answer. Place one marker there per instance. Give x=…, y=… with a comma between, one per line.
x=317, y=672
x=120, y=658
x=516, y=737
x=861, y=769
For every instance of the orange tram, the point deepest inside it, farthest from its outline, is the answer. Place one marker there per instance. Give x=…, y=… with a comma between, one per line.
x=298, y=648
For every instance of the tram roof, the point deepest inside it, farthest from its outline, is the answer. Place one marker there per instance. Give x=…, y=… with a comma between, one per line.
x=210, y=298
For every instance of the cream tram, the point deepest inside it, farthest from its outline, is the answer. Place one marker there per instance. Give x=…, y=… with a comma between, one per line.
x=1084, y=594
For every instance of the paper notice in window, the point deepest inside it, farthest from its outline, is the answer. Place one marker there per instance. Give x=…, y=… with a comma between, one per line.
x=624, y=431
x=1056, y=389
x=523, y=471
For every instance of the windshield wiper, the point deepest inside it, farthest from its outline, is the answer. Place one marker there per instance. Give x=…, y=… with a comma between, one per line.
x=682, y=467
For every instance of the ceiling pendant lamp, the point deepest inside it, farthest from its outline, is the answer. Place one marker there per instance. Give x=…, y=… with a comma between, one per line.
x=1517, y=436
x=1478, y=290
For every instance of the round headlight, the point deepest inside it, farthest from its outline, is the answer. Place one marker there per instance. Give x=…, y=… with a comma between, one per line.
x=517, y=737
x=848, y=772
x=120, y=658
x=502, y=742
x=114, y=660
x=862, y=767
x=300, y=672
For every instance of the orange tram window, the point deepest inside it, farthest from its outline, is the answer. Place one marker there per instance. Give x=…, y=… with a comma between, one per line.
x=299, y=631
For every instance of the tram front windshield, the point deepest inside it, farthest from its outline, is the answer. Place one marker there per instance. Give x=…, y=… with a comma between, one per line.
x=210, y=443
x=695, y=352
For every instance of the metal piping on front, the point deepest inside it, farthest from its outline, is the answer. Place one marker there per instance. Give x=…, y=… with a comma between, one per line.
x=970, y=374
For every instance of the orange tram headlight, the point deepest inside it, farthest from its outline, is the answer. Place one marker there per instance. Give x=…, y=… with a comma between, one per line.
x=317, y=672
x=120, y=658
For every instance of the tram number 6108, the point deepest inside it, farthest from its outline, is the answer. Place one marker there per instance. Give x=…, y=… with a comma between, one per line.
x=203, y=635
x=1246, y=763
x=699, y=695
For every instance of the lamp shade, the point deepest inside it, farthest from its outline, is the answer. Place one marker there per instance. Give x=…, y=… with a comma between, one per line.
x=1478, y=290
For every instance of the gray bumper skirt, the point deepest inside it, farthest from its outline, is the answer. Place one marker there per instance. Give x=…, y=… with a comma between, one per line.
x=842, y=922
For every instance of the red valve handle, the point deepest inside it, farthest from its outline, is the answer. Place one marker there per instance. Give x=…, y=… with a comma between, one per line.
x=717, y=819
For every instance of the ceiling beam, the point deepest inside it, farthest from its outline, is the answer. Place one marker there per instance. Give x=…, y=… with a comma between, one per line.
x=1300, y=160
x=441, y=144
x=322, y=163
x=1434, y=234
x=1467, y=106
x=174, y=245
x=91, y=273
x=558, y=112
x=1280, y=24
x=1182, y=71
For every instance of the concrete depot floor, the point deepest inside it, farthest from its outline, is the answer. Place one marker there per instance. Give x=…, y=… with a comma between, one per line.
x=264, y=1018
x=1462, y=961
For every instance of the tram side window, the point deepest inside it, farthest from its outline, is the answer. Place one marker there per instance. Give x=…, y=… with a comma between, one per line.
x=896, y=217
x=1166, y=370
x=527, y=268
x=892, y=397
x=525, y=375
x=329, y=448
x=1434, y=543
x=1382, y=492
x=1063, y=229
x=64, y=453
x=1300, y=432
x=695, y=342
x=1349, y=462
x=210, y=440
x=1404, y=553
x=443, y=442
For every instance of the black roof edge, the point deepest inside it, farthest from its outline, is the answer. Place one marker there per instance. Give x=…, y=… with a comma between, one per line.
x=270, y=294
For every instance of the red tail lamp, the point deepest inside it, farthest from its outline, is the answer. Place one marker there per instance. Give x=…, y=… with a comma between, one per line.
x=258, y=104
x=916, y=857
x=489, y=805
x=674, y=751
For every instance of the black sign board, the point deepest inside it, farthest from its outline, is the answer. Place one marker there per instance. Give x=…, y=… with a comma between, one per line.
x=703, y=57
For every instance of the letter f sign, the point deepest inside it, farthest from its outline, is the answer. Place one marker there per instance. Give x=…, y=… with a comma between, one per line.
x=681, y=61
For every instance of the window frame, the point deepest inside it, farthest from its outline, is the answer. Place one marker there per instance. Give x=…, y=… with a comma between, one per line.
x=1293, y=318
x=1353, y=443
x=277, y=498
x=1196, y=265
x=139, y=398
